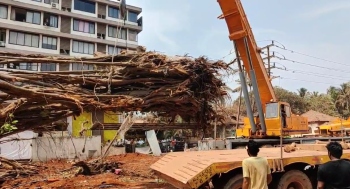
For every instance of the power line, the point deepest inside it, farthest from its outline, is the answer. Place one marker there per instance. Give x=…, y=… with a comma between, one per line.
x=281, y=46
x=316, y=75
x=304, y=63
x=311, y=56
x=312, y=73
x=308, y=81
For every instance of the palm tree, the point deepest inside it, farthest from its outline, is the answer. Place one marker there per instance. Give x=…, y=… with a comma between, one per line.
x=302, y=92
x=342, y=102
x=314, y=94
x=338, y=100
x=333, y=92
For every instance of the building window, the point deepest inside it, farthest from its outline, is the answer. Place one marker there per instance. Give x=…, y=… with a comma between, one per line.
x=33, y=17
x=83, y=26
x=23, y=66
x=3, y=11
x=24, y=39
x=2, y=66
x=50, y=1
x=49, y=43
x=132, y=16
x=50, y=20
x=47, y=67
x=28, y=66
x=84, y=5
x=112, y=32
x=22, y=15
x=2, y=35
x=113, y=12
x=132, y=35
x=116, y=50
x=83, y=47
x=80, y=66
x=37, y=0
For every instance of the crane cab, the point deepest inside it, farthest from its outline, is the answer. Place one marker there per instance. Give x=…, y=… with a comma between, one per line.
x=277, y=115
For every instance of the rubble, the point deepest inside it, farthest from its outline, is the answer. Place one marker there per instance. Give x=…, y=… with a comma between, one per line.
x=290, y=148
x=12, y=169
x=64, y=174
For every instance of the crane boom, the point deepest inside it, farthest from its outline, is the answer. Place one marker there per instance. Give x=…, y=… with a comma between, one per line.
x=239, y=28
x=276, y=118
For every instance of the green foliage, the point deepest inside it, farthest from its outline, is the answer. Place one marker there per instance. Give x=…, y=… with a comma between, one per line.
x=302, y=92
x=341, y=98
x=302, y=101
x=9, y=126
x=298, y=104
x=322, y=103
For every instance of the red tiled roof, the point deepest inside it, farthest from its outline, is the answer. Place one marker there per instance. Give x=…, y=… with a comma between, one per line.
x=314, y=116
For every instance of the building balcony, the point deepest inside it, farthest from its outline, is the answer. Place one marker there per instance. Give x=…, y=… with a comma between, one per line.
x=68, y=10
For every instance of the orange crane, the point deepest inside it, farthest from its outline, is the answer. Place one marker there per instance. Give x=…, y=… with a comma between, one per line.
x=275, y=117
x=223, y=169
x=338, y=127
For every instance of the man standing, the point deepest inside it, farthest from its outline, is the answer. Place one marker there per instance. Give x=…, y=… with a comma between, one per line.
x=334, y=174
x=256, y=170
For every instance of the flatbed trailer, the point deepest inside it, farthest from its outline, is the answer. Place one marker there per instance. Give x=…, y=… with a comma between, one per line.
x=223, y=168
x=238, y=143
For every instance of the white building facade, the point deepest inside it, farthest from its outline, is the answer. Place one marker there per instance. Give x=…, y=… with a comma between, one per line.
x=66, y=28
x=76, y=28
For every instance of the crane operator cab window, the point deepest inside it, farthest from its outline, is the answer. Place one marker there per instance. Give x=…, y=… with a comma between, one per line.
x=285, y=112
x=271, y=110
x=275, y=110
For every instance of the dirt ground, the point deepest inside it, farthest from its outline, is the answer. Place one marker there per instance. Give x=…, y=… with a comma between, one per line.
x=135, y=174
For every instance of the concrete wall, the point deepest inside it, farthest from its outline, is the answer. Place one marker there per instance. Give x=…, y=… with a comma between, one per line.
x=314, y=126
x=113, y=150
x=17, y=149
x=47, y=148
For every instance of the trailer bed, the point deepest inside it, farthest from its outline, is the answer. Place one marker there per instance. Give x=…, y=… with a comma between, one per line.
x=192, y=169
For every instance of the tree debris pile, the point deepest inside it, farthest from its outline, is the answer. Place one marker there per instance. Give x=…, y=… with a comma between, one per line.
x=10, y=169
x=143, y=81
x=91, y=168
x=126, y=164
x=135, y=173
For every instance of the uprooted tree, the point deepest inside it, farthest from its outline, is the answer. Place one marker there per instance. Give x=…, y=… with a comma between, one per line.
x=143, y=81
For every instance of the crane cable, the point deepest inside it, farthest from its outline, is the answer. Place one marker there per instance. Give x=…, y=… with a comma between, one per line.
x=122, y=14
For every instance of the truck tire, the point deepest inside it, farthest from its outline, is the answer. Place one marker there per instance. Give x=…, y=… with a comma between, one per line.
x=235, y=182
x=294, y=179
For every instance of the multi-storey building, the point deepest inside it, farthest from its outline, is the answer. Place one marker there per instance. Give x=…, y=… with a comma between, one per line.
x=76, y=28
x=66, y=28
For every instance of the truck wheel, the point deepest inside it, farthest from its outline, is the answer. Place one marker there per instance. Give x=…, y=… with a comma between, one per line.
x=235, y=182
x=294, y=179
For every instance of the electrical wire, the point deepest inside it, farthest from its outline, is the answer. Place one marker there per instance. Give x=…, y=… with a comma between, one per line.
x=304, y=63
x=304, y=54
x=308, y=81
x=316, y=74
x=309, y=73
x=311, y=56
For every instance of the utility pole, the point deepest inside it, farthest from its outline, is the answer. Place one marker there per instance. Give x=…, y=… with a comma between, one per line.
x=216, y=110
x=268, y=61
x=268, y=57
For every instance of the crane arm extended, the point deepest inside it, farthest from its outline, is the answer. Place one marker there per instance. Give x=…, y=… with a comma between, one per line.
x=239, y=29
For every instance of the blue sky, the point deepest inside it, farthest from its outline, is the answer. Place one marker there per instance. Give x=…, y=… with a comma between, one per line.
x=319, y=28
